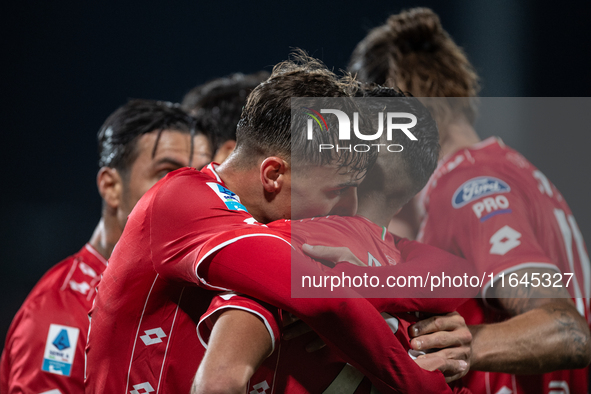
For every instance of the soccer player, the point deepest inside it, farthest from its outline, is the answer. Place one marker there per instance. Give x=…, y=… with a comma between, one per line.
x=391, y=182
x=488, y=204
x=142, y=336
x=219, y=103
x=138, y=144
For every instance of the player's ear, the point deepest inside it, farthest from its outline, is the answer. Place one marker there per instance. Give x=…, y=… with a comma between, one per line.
x=224, y=151
x=110, y=186
x=273, y=174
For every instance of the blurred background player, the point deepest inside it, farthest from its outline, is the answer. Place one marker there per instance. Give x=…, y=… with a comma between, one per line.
x=138, y=144
x=520, y=223
x=219, y=104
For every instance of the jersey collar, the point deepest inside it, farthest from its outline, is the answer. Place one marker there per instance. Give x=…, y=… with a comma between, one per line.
x=479, y=145
x=93, y=258
x=210, y=170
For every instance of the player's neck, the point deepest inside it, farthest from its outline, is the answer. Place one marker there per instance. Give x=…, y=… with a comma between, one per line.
x=455, y=136
x=105, y=235
x=244, y=183
x=376, y=207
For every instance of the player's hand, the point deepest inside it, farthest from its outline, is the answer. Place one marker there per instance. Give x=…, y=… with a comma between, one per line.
x=451, y=369
x=449, y=336
x=331, y=254
x=293, y=327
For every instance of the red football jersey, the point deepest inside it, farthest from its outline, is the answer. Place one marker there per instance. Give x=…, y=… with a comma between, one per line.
x=190, y=230
x=505, y=215
x=290, y=369
x=44, y=349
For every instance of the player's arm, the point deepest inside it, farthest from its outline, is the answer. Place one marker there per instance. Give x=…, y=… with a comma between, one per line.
x=452, y=336
x=257, y=263
x=239, y=342
x=452, y=368
x=356, y=331
x=26, y=363
x=546, y=332
x=418, y=260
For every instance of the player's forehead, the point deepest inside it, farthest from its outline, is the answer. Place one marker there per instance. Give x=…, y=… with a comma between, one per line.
x=159, y=144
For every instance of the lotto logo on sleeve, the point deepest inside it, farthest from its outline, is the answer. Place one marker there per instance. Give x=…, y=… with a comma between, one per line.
x=229, y=198
x=60, y=348
x=476, y=188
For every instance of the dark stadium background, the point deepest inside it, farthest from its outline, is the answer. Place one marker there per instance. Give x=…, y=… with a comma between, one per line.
x=67, y=65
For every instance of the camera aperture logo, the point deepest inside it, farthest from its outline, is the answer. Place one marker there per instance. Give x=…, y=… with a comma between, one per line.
x=390, y=125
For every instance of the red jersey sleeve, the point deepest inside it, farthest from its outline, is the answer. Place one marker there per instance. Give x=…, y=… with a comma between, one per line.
x=490, y=218
x=261, y=268
x=191, y=216
x=269, y=315
x=388, y=258
x=417, y=260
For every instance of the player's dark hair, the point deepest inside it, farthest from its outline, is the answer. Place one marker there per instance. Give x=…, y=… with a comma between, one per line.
x=413, y=52
x=266, y=123
x=419, y=157
x=118, y=136
x=219, y=102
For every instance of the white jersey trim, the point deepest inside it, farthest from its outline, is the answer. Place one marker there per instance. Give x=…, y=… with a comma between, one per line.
x=513, y=269
x=479, y=145
x=137, y=334
x=486, y=142
x=96, y=254
x=267, y=325
x=70, y=273
x=169, y=340
x=224, y=244
x=211, y=168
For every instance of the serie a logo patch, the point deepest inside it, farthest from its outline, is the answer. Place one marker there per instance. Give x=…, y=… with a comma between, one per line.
x=229, y=198
x=60, y=349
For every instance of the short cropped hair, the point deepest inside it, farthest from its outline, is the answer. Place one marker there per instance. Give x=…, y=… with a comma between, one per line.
x=265, y=126
x=418, y=157
x=219, y=102
x=118, y=136
x=413, y=52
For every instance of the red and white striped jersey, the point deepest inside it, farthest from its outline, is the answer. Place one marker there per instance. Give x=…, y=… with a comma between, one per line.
x=491, y=206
